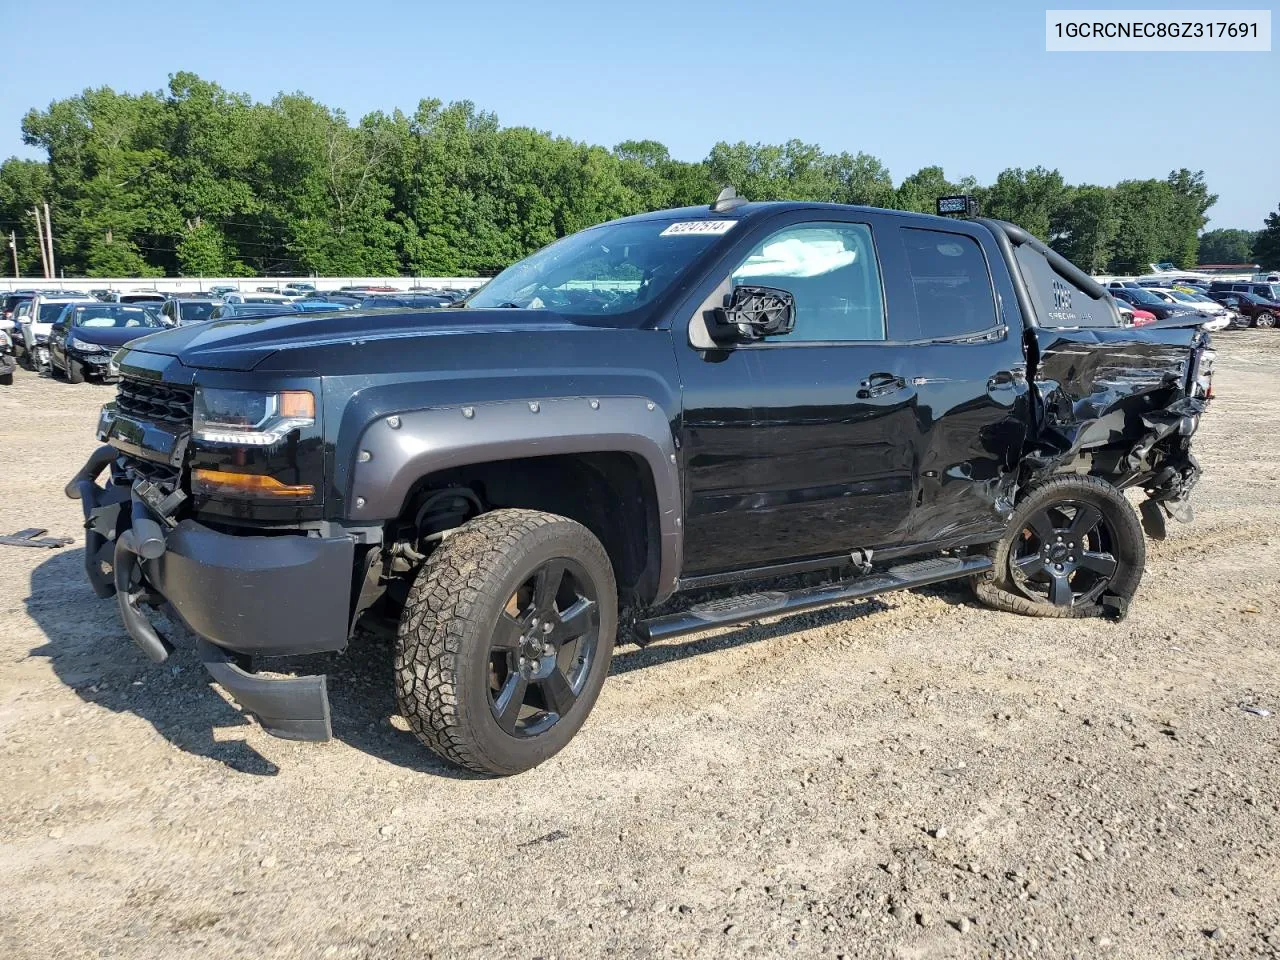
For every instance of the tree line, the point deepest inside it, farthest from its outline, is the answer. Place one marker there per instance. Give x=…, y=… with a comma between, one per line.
x=199, y=181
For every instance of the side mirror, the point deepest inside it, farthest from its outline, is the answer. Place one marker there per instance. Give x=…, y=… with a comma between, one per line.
x=58, y=328
x=753, y=313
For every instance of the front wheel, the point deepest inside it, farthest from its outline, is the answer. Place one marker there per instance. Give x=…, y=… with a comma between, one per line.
x=1265, y=320
x=75, y=371
x=1073, y=548
x=505, y=640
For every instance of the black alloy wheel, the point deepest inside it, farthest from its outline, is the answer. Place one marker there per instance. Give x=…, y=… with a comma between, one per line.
x=543, y=647
x=1064, y=555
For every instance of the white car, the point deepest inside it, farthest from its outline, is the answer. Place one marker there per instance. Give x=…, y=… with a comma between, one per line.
x=36, y=318
x=1219, y=316
x=257, y=298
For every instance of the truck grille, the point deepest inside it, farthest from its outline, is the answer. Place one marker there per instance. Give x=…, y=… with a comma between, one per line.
x=158, y=402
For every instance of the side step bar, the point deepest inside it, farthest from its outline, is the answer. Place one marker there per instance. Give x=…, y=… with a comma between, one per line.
x=741, y=609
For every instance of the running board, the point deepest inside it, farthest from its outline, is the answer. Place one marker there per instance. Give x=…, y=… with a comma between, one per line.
x=752, y=606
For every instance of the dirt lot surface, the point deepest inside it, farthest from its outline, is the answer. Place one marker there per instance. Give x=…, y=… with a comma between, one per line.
x=917, y=777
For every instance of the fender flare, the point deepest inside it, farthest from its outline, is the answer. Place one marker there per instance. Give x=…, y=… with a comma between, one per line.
x=397, y=450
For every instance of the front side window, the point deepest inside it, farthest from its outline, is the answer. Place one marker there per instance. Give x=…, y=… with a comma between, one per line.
x=831, y=271
x=951, y=282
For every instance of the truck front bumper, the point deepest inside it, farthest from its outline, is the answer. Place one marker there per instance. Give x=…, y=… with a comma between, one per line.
x=242, y=596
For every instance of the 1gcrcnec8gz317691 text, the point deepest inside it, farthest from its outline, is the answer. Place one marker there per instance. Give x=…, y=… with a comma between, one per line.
x=1187, y=31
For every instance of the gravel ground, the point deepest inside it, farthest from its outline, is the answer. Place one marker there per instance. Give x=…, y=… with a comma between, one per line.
x=912, y=777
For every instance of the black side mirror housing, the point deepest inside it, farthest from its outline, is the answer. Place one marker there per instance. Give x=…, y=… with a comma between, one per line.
x=752, y=313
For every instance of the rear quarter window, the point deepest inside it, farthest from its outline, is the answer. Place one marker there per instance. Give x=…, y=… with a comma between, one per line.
x=1058, y=302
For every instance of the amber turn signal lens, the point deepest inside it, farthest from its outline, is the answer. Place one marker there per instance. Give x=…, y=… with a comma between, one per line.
x=257, y=485
x=298, y=403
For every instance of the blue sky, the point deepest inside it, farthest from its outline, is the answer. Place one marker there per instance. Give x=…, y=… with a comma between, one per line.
x=968, y=86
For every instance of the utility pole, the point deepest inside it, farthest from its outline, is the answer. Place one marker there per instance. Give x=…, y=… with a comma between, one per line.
x=44, y=253
x=13, y=245
x=48, y=231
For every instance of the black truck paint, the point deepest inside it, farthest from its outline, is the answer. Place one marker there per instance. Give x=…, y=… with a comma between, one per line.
x=695, y=462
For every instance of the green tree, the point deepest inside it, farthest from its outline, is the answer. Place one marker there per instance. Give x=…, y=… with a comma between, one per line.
x=1187, y=216
x=1030, y=198
x=1226, y=246
x=1084, y=228
x=1266, y=249
x=921, y=190
x=23, y=185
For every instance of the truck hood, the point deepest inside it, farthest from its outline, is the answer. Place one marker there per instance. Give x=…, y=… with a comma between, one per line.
x=242, y=344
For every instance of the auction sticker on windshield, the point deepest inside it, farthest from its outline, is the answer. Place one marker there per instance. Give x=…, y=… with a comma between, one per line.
x=698, y=228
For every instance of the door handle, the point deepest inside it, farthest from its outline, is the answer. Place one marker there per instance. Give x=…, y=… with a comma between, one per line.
x=880, y=385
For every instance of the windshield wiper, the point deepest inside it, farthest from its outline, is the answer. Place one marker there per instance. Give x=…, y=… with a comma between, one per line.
x=509, y=305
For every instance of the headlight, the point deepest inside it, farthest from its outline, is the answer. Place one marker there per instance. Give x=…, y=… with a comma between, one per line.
x=250, y=417
x=75, y=343
x=5, y=340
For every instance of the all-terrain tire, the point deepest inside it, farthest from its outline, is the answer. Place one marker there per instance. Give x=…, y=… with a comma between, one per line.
x=997, y=588
x=442, y=665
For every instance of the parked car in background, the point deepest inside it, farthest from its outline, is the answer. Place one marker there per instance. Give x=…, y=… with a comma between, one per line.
x=383, y=301
x=8, y=304
x=1144, y=298
x=298, y=289
x=37, y=324
x=1132, y=316
x=7, y=360
x=318, y=306
x=1257, y=310
x=85, y=335
x=179, y=312
x=217, y=291
x=231, y=311
x=1216, y=315
x=258, y=297
x=1259, y=288
x=345, y=299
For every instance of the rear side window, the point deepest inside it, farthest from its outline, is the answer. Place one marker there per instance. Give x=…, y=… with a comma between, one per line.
x=951, y=283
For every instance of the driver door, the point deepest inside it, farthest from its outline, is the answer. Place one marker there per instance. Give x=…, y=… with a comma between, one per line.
x=798, y=446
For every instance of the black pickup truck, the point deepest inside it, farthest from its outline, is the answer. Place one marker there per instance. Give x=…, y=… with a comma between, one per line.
x=698, y=402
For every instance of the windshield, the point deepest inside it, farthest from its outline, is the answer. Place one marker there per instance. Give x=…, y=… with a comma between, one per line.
x=1143, y=296
x=108, y=315
x=49, y=312
x=604, y=271
x=1184, y=297
x=195, y=312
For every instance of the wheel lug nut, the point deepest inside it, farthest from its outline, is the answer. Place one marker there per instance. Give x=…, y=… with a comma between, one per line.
x=536, y=665
x=548, y=627
x=547, y=650
x=1057, y=566
x=522, y=661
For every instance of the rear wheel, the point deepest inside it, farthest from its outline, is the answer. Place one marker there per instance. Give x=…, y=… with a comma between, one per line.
x=1265, y=320
x=1072, y=543
x=505, y=640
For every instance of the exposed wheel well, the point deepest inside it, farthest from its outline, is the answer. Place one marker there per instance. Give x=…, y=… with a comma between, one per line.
x=611, y=494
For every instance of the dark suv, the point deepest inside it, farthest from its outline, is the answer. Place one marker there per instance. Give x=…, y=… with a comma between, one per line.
x=1258, y=311
x=694, y=400
x=1259, y=288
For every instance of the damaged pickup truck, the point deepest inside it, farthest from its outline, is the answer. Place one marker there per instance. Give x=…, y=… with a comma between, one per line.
x=712, y=397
